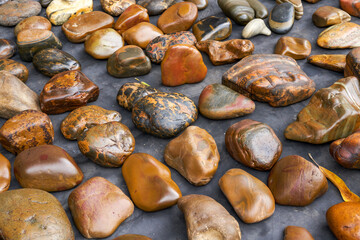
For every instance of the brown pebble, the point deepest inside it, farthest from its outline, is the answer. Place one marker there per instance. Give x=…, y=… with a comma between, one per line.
x=297, y=48
x=34, y=22
x=141, y=34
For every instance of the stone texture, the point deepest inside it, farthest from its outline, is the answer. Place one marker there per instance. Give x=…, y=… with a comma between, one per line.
x=34, y=22
x=346, y=151
x=7, y=48
x=259, y=8
x=327, y=16
x=299, y=10
x=45, y=3
x=130, y=93
x=238, y=10
x=297, y=233
x=281, y=19
x=116, y=7
x=200, y=4
x=132, y=237
x=155, y=7
x=141, y=34
x=15, y=68
x=12, y=12
x=212, y=28
x=255, y=27
x=297, y=48
x=352, y=67
x=351, y=6
x=5, y=173
x=133, y=15
x=343, y=35
x=335, y=62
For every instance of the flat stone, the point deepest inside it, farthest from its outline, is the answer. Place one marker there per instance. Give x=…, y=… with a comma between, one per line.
x=297, y=233
x=47, y=167
x=200, y=4
x=271, y=78
x=149, y=183
x=132, y=237
x=335, y=62
x=5, y=173
x=194, y=155
x=255, y=27
x=133, y=15
x=297, y=48
x=116, y=7
x=141, y=34
x=238, y=10
x=327, y=16
x=83, y=118
x=294, y=181
x=130, y=93
x=227, y=51
x=15, y=68
x=34, y=22
x=251, y=199
x=67, y=91
x=15, y=96
x=12, y=12
x=34, y=212
x=281, y=18
x=155, y=7
x=151, y=114
x=128, y=61
x=28, y=129
x=299, y=9
x=345, y=151
x=352, y=67
x=351, y=6
x=7, y=48
x=98, y=207
x=343, y=35
x=212, y=28
x=51, y=61
x=157, y=47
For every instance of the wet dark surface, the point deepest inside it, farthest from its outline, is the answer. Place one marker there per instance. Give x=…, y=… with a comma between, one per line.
x=169, y=223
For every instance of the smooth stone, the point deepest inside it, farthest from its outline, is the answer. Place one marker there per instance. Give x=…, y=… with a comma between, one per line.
x=334, y=62
x=178, y=17
x=16, y=96
x=34, y=212
x=346, y=151
x=299, y=9
x=200, y=4
x=47, y=167
x=297, y=48
x=281, y=18
x=130, y=93
x=34, y=22
x=217, y=101
x=212, y=28
x=255, y=27
x=7, y=48
x=182, y=64
x=251, y=199
x=238, y=10
x=157, y=47
x=59, y=11
x=12, y=12
x=31, y=41
x=103, y=43
x=251, y=77
x=45, y=3
x=98, y=207
x=327, y=16
x=5, y=173
x=51, y=61
x=155, y=7
x=343, y=35
x=141, y=34
x=30, y=128
x=351, y=6
x=116, y=7
x=339, y=103
x=352, y=67
x=253, y=144
x=151, y=114
x=108, y=144
x=149, y=183
x=77, y=29
x=259, y=8
x=207, y=219
x=132, y=237
x=130, y=17
x=128, y=61
x=297, y=233
x=82, y=119
x=15, y=68
x=67, y=91
x=194, y=155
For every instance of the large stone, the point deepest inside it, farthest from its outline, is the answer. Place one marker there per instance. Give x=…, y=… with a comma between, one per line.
x=130, y=17
x=132, y=237
x=351, y=6
x=352, y=67
x=130, y=93
x=297, y=233
x=12, y=12
x=200, y=4
x=34, y=22
x=327, y=16
x=299, y=9
x=255, y=27
x=335, y=62
x=15, y=68
x=141, y=34
x=346, y=151
x=212, y=28
x=155, y=7
x=343, y=35
x=5, y=173
x=297, y=48
x=7, y=48
x=116, y=7
x=281, y=19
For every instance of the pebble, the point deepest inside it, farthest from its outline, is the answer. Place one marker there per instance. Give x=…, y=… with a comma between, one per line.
x=212, y=28
x=327, y=16
x=7, y=48
x=345, y=151
x=255, y=27
x=12, y=12
x=297, y=233
x=352, y=67
x=297, y=48
x=238, y=10
x=5, y=173
x=116, y=7
x=299, y=9
x=281, y=18
x=351, y=6
x=15, y=68
x=130, y=17
x=334, y=62
x=259, y=8
x=200, y=4
x=34, y=22
x=141, y=34
x=156, y=7
x=130, y=93
x=343, y=35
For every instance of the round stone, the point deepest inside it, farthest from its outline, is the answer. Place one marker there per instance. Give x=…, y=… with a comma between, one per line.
x=7, y=48
x=15, y=68
x=130, y=17
x=141, y=34
x=34, y=22
x=281, y=18
x=12, y=12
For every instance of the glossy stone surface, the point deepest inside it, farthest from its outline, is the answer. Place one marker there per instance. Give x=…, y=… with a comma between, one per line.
x=141, y=34
x=5, y=173
x=7, y=48
x=35, y=212
x=327, y=16
x=297, y=48
x=335, y=62
x=12, y=12
x=98, y=207
x=251, y=199
x=288, y=84
x=132, y=237
x=34, y=22
x=31, y=41
x=207, y=219
x=227, y=51
x=294, y=181
x=200, y=4
x=133, y=15
x=15, y=68
x=103, y=43
x=152, y=114
x=299, y=10
x=128, y=61
x=281, y=19
x=17, y=96
x=78, y=28
x=155, y=7
x=157, y=47
x=67, y=91
x=182, y=64
x=255, y=27
x=297, y=233
x=116, y=7
x=217, y=101
x=212, y=28
x=343, y=35
x=259, y=8
x=28, y=129
x=83, y=118
x=194, y=155
x=339, y=103
x=238, y=10
x=51, y=61
x=149, y=183
x=351, y=6
x=352, y=67
x=130, y=93
x=47, y=167
x=346, y=151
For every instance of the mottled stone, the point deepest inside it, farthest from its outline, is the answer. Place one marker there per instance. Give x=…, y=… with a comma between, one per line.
x=164, y=114
x=343, y=35
x=141, y=34
x=200, y=4
x=327, y=16
x=351, y=6
x=346, y=151
x=12, y=12
x=7, y=48
x=155, y=7
x=47, y=167
x=5, y=173
x=132, y=237
x=34, y=22
x=251, y=199
x=238, y=10
x=212, y=28
x=255, y=27
x=281, y=18
x=116, y=7
x=335, y=62
x=98, y=207
x=297, y=233
x=149, y=183
x=130, y=93
x=299, y=9
x=297, y=48
x=15, y=68
x=352, y=67
x=67, y=91
x=130, y=17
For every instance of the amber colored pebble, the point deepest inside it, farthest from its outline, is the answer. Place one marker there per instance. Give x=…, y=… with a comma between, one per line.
x=297, y=233
x=34, y=22
x=130, y=93
x=149, y=183
x=116, y=7
x=352, y=67
x=327, y=15
x=7, y=48
x=130, y=17
x=98, y=207
x=200, y=4
x=15, y=68
x=141, y=34
x=132, y=237
x=297, y=48
x=343, y=35
x=5, y=173
x=346, y=151
x=351, y=6
x=335, y=62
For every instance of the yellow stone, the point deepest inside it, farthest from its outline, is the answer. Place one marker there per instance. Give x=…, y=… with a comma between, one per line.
x=59, y=11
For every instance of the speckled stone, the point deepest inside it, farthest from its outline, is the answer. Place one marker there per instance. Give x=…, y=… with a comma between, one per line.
x=343, y=35
x=327, y=16
x=12, y=12
x=116, y=7
x=34, y=22
x=281, y=18
x=201, y=4
x=212, y=28
x=335, y=62
x=15, y=68
x=7, y=48
x=155, y=7
x=130, y=93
